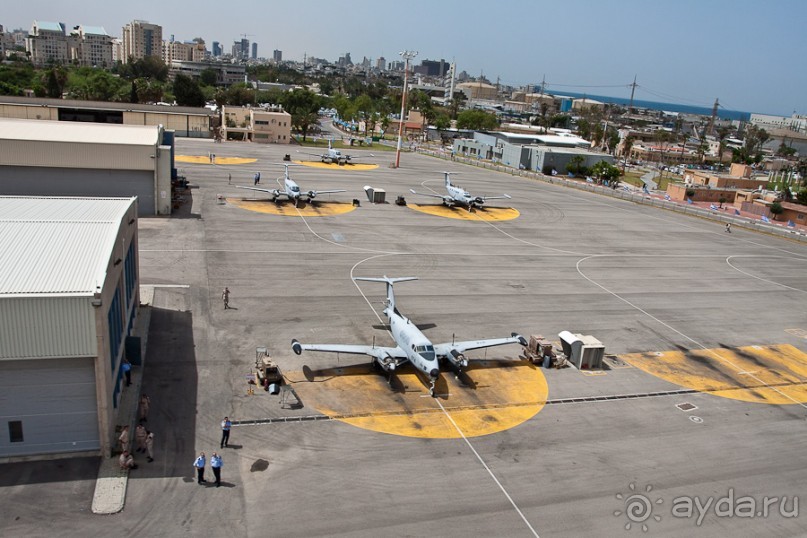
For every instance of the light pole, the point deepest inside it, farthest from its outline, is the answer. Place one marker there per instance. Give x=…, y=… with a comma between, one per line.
x=406, y=55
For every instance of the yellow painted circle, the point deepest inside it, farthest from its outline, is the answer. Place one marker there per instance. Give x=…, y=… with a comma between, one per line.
x=760, y=374
x=332, y=166
x=498, y=395
x=285, y=208
x=204, y=159
x=491, y=214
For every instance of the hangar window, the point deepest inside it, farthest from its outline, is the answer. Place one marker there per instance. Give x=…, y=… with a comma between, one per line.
x=15, y=431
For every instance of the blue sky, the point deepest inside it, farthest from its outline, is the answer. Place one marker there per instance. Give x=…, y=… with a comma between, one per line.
x=749, y=54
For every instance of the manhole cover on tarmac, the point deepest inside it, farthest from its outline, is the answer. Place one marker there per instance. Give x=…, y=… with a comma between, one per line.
x=686, y=406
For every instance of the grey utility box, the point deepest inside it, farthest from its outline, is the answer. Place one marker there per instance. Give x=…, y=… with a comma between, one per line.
x=584, y=351
x=376, y=196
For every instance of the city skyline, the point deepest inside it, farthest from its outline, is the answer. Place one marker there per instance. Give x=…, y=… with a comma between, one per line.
x=690, y=52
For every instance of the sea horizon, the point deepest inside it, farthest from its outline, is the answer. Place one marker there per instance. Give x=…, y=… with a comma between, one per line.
x=668, y=107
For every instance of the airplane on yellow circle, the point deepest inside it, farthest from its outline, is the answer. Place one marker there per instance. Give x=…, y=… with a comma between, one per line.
x=411, y=344
x=290, y=189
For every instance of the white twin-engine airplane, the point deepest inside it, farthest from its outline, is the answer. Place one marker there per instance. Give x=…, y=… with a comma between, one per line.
x=458, y=195
x=412, y=345
x=334, y=156
x=290, y=189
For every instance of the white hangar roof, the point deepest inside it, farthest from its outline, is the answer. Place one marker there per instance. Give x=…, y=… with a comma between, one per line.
x=57, y=246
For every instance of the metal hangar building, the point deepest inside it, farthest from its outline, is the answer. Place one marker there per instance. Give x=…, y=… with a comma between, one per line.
x=69, y=296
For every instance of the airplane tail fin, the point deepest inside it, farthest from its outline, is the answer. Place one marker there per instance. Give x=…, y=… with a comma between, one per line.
x=390, y=282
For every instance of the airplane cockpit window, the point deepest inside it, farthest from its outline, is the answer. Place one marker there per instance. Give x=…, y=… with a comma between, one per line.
x=427, y=352
x=295, y=188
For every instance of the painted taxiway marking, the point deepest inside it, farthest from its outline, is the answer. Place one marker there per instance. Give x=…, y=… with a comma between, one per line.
x=203, y=159
x=287, y=209
x=760, y=374
x=492, y=214
x=493, y=396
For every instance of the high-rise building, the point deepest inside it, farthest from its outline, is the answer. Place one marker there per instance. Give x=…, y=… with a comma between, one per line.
x=381, y=64
x=254, y=51
x=277, y=56
x=216, y=49
x=141, y=39
x=241, y=49
x=432, y=68
x=47, y=42
x=91, y=46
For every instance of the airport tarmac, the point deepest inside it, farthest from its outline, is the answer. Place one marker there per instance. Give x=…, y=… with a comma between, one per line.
x=520, y=451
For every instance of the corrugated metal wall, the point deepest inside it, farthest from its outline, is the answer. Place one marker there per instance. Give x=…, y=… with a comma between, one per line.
x=38, y=181
x=47, y=327
x=77, y=155
x=55, y=401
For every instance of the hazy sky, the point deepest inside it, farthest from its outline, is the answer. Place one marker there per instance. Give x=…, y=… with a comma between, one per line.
x=749, y=54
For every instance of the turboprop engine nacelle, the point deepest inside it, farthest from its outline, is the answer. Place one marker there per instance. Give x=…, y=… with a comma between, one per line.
x=457, y=359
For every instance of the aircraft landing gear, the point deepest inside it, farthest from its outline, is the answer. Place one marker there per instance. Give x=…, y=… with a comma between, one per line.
x=431, y=388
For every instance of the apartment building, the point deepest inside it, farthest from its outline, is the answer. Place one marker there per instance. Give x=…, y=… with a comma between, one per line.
x=141, y=39
x=266, y=125
x=91, y=46
x=47, y=42
x=187, y=51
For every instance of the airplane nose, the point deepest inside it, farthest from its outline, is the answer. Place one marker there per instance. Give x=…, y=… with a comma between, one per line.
x=434, y=373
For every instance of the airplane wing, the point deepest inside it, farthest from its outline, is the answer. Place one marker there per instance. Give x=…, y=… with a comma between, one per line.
x=372, y=351
x=443, y=350
x=354, y=157
x=503, y=196
x=317, y=193
x=320, y=155
x=442, y=197
x=273, y=192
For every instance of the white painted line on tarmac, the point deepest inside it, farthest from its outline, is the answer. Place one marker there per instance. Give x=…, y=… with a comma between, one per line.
x=670, y=327
x=493, y=476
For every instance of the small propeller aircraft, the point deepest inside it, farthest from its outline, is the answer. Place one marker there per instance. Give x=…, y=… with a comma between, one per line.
x=290, y=189
x=459, y=196
x=411, y=344
x=334, y=156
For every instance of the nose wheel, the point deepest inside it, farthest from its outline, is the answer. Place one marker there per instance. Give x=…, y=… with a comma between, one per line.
x=431, y=388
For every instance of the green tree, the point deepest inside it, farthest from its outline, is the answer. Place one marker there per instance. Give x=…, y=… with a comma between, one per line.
x=187, y=92
x=801, y=197
x=56, y=80
x=776, y=209
x=303, y=105
x=477, y=120
x=209, y=77
x=604, y=171
x=575, y=166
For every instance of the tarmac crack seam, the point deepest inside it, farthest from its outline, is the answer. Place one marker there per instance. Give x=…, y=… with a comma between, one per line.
x=670, y=327
x=728, y=261
x=485, y=465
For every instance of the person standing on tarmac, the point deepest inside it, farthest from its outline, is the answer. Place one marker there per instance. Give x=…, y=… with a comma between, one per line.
x=225, y=431
x=199, y=464
x=215, y=464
